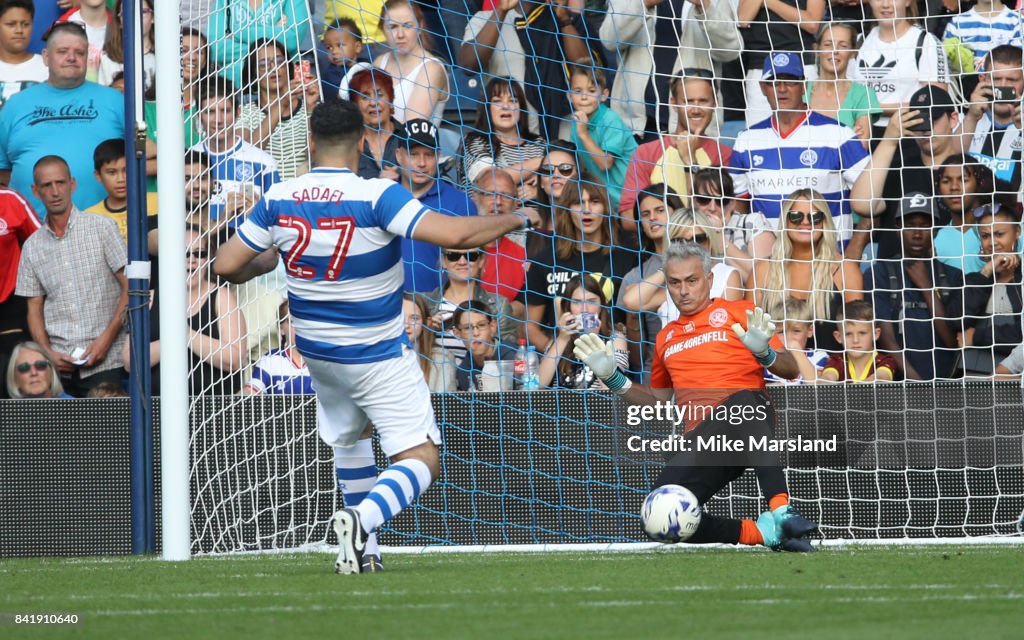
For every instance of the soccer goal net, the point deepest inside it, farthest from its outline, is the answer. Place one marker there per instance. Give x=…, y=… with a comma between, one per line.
x=847, y=166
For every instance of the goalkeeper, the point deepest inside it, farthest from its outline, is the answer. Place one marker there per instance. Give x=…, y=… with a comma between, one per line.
x=704, y=363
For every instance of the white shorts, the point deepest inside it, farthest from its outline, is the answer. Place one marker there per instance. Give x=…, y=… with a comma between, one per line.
x=391, y=393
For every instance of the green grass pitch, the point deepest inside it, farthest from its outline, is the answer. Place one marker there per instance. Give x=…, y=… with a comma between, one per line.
x=863, y=592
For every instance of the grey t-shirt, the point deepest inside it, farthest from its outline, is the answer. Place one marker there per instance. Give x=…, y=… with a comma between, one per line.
x=1015, y=361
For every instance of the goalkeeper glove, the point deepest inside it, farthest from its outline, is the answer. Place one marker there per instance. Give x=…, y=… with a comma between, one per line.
x=600, y=357
x=755, y=337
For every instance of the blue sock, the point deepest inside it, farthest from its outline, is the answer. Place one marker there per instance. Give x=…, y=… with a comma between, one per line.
x=357, y=473
x=396, y=488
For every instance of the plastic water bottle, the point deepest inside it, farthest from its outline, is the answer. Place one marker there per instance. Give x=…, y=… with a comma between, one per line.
x=531, y=380
x=519, y=367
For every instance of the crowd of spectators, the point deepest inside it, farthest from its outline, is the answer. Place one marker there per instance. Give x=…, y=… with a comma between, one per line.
x=854, y=169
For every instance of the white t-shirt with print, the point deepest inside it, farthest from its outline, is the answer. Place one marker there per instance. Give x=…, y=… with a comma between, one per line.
x=892, y=68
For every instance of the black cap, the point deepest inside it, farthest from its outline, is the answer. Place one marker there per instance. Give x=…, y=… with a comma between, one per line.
x=421, y=132
x=934, y=102
x=916, y=202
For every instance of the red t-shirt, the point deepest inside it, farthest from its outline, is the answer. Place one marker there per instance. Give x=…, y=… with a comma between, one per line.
x=648, y=155
x=17, y=222
x=505, y=268
x=845, y=371
x=703, y=360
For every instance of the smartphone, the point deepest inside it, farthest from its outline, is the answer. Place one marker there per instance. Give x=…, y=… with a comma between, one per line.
x=1004, y=94
x=926, y=115
x=588, y=322
x=303, y=69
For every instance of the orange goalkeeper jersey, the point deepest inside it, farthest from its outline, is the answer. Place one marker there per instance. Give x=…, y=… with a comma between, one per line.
x=701, y=358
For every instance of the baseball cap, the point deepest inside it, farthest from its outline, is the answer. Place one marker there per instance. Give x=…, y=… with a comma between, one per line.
x=421, y=132
x=936, y=100
x=916, y=202
x=783, y=63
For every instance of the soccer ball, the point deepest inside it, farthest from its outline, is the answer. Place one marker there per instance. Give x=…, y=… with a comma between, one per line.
x=671, y=513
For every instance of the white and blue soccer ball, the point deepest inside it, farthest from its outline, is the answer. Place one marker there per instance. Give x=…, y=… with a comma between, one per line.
x=671, y=513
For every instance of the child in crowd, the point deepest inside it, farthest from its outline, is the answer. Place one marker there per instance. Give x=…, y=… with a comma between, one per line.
x=794, y=325
x=242, y=171
x=282, y=371
x=341, y=46
x=583, y=308
x=983, y=27
x=112, y=172
x=474, y=322
x=94, y=16
x=861, y=363
x=605, y=142
x=18, y=68
x=112, y=60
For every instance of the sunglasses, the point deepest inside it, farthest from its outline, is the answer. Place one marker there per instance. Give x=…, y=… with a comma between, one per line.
x=987, y=210
x=25, y=367
x=566, y=169
x=703, y=201
x=699, y=238
x=455, y=256
x=796, y=217
x=696, y=72
x=198, y=255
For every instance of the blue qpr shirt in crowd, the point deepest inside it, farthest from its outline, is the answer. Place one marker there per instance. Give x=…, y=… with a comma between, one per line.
x=276, y=374
x=422, y=259
x=340, y=238
x=244, y=167
x=818, y=153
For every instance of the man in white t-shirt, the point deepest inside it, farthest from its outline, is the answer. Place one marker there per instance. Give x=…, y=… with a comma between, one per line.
x=18, y=68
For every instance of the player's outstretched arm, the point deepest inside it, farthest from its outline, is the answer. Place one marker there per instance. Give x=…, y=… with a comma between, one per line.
x=757, y=337
x=466, y=232
x=236, y=262
x=600, y=357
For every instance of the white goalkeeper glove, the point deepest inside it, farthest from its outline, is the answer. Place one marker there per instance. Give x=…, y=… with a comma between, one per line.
x=596, y=354
x=600, y=357
x=760, y=329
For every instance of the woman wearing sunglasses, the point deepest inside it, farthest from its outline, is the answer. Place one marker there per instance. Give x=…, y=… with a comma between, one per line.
x=806, y=264
x=558, y=167
x=31, y=374
x=461, y=274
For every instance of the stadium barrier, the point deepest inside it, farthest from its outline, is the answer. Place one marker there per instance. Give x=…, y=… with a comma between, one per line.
x=914, y=461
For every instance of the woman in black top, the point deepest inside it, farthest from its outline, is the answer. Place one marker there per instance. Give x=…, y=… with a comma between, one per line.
x=586, y=240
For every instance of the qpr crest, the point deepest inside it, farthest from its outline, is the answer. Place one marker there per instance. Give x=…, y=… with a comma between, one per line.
x=808, y=157
x=780, y=59
x=718, y=318
x=244, y=172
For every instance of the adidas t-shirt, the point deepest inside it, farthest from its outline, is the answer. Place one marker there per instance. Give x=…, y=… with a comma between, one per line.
x=892, y=69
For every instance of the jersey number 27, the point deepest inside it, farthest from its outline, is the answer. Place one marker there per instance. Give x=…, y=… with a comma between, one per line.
x=346, y=227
